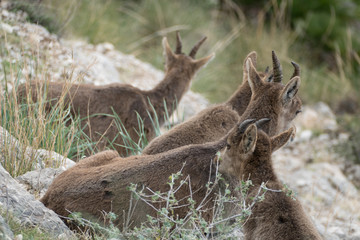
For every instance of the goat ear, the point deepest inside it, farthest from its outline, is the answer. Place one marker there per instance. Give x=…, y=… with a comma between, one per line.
x=280, y=140
x=254, y=78
x=290, y=89
x=169, y=55
x=251, y=56
x=249, y=139
x=203, y=61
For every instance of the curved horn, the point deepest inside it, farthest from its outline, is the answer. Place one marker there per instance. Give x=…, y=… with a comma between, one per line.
x=245, y=124
x=278, y=76
x=178, y=43
x=296, y=70
x=261, y=122
x=196, y=47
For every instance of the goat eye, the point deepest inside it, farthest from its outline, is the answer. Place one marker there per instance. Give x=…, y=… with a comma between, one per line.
x=297, y=112
x=228, y=146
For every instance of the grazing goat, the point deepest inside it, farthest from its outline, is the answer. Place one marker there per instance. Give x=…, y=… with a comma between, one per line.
x=126, y=101
x=278, y=216
x=99, y=183
x=264, y=99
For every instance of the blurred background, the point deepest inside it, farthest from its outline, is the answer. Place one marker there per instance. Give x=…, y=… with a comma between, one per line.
x=321, y=36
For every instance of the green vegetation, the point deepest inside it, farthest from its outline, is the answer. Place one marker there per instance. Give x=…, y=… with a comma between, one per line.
x=28, y=121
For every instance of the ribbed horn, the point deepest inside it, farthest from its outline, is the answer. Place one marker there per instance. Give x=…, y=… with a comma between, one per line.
x=178, y=43
x=278, y=76
x=296, y=70
x=245, y=124
x=261, y=122
x=196, y=47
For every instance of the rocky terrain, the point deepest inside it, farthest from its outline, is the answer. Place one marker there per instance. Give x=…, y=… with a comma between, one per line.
x=309, y=165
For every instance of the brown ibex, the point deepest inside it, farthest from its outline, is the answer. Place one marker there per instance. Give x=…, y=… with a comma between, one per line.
x=100, y=102
x=99, y=183
x=278, y=216
x=263, y=98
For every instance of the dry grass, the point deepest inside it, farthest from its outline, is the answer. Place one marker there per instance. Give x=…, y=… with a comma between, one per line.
x=29, y=121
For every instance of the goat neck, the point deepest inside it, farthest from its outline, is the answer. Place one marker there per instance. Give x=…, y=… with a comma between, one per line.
x=180, y=70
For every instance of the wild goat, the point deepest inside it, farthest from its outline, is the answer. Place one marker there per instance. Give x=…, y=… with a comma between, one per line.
x=278, y=216
x=263, y=99
x=99, y=183
x=126, y=101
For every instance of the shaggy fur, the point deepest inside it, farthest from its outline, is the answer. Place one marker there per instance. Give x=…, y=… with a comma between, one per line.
x=126, y=101
x=266, y=100
x=278, y=217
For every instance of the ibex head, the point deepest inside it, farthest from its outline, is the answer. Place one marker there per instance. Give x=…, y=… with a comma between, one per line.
x=272, y=99
x=246, y=143
x=182, y=61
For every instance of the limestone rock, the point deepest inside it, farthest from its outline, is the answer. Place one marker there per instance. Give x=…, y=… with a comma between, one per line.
x=313, y=170
x=318, y=117
x=38, y=181
x=30, y=212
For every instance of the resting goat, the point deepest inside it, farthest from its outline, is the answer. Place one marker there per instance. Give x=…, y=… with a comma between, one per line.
x=99, y=183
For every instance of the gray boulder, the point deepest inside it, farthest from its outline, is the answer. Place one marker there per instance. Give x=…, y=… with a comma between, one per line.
x=38, y=181
x=30, y=212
